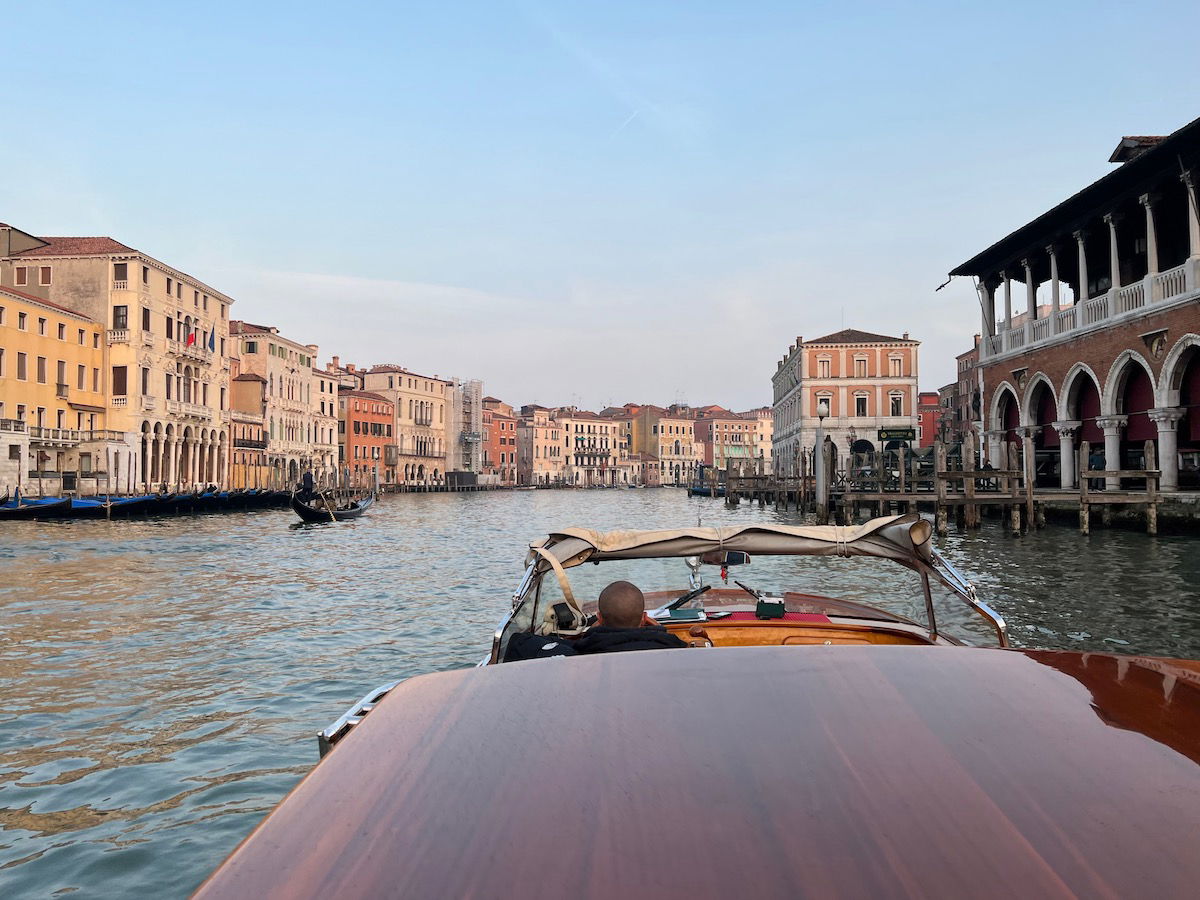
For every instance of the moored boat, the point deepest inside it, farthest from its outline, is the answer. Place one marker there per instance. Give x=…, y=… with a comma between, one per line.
x=855, y=744
x=325, y=508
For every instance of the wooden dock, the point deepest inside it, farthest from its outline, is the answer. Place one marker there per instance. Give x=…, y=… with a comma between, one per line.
x=903, y=482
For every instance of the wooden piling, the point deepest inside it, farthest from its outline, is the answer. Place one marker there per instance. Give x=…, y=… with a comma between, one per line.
x=1085, y=452
x=970, y=510
x=1151, y=466
x=1030, y=470
x=939, y=466
x=1015, y=493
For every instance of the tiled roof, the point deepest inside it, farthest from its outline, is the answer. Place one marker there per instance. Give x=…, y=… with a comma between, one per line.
x=77, y=246
x=24, y=296
x=236, y=326
x=250, y=376
x=367, y=395
x=854, y=336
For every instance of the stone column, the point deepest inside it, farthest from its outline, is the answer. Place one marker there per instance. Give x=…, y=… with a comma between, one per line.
x=1081, y=245
x=987, y=307
x=1114, y=263
x=1054, y=289
x=176, y=448
x=1007, y=301
x=1066, y=453
x=994, y=440
x=1112, y=426
x=1189, y=182
x=1030, y=294
x=1147, y=201
x=1167, y=419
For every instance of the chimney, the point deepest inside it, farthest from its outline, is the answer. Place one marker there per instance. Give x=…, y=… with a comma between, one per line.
x=350, y=367
x=337, y=363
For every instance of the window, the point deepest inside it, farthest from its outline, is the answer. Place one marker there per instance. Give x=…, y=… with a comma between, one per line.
x=96, y=341
x=897, y=404
x=195, y=298
x=1, y=315
x=44, y=275
x=860, y=367
x=81, y=377
x=62, y=375
x=120, y=385
x=22, y=321
x=62, y=332
x=41, y=326
x=860, y=406
x=41, y=370
x=81, y=336
x=145, y=380
x=95, y=380
x=170, y=328
x=1, y=367
x=120, y=271
x=21, y=276
x=145, y=274
x=145, y=318
x=170, y=283
x=120, y=318
x=894, y=366
x=824, y=367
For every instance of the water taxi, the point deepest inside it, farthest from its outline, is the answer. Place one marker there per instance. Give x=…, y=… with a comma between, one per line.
x=857, y=745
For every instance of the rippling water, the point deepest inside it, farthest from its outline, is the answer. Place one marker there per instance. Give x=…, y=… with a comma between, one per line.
x=161, y=682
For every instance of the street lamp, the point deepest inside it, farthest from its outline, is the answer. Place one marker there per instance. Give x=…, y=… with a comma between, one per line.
x=819, y=460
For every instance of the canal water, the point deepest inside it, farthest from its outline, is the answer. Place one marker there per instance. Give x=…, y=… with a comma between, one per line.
x=161, y=681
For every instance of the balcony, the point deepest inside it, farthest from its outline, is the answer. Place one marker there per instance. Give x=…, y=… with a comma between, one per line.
x=192, y=351
x=149, y=404
x=120, y=285
x=120, y=402
x=147, y=339
x=1116, y=307
x=118, y=335
x=56, y=437
x=249, y=444
x=183, y=409
x=15, y=426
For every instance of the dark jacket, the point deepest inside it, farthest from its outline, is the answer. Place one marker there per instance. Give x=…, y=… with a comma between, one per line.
x=606, y=639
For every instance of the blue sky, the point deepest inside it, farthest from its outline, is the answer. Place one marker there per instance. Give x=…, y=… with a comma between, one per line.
x=585, y=203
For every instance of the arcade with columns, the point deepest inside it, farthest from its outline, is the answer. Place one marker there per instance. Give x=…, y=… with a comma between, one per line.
x=1106, y=348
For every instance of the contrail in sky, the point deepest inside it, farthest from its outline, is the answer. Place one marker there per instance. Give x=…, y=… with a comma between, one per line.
x=633, y=115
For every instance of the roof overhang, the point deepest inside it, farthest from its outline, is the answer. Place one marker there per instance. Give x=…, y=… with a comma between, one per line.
x=1178, y=151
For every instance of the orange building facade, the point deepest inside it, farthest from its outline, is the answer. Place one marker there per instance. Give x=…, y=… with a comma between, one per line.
x=367, y=444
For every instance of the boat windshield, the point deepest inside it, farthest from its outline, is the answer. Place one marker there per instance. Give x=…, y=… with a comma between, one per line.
x=860, y=586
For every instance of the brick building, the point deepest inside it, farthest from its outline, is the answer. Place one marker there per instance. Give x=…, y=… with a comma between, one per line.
x=1114, y=357
x=499, y=440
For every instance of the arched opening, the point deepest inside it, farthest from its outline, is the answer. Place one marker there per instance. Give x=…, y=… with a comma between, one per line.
x=1008, y=416
x=1043, y=412
x=293, y=471
x=1134, y=399
x=1189, y=427
x=1081, y=403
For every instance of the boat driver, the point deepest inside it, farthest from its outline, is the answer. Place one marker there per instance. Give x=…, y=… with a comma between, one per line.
x=624, y=625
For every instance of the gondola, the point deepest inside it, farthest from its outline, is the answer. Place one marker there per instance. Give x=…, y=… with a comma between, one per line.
x=48, y=509
x=320, y=514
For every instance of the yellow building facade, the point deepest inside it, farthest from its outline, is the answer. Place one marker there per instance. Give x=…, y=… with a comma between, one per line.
x=53, y=413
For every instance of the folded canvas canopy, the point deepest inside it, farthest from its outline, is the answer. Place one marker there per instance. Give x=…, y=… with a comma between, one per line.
x=905, y=539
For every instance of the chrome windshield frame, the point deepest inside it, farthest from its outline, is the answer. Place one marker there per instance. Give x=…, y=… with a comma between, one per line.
x=528, y=580
x=955, y=579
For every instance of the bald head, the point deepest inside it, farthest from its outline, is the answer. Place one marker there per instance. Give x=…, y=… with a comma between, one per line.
x=622, y=605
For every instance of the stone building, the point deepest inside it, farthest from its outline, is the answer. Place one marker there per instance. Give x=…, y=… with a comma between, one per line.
x=723, y=436
x=1113, y=357
x=541, y=455
x=669, y=435
x=591, y=447
x=421, y=404
x=301, y=413
x=763, y=438
x=869, y=382
x=166, y=373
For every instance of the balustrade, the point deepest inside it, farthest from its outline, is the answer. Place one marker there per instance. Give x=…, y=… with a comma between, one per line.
x=120, y=401
x=1121, y=302
x=118, y=335
x=120, y=285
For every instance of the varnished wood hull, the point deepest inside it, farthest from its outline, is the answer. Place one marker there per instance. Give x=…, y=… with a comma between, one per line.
x=757, y=772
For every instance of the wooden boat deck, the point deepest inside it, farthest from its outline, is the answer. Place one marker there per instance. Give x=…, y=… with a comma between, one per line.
x=764, y=772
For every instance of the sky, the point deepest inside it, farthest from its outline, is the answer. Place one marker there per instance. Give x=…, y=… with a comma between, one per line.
x=588, y=203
